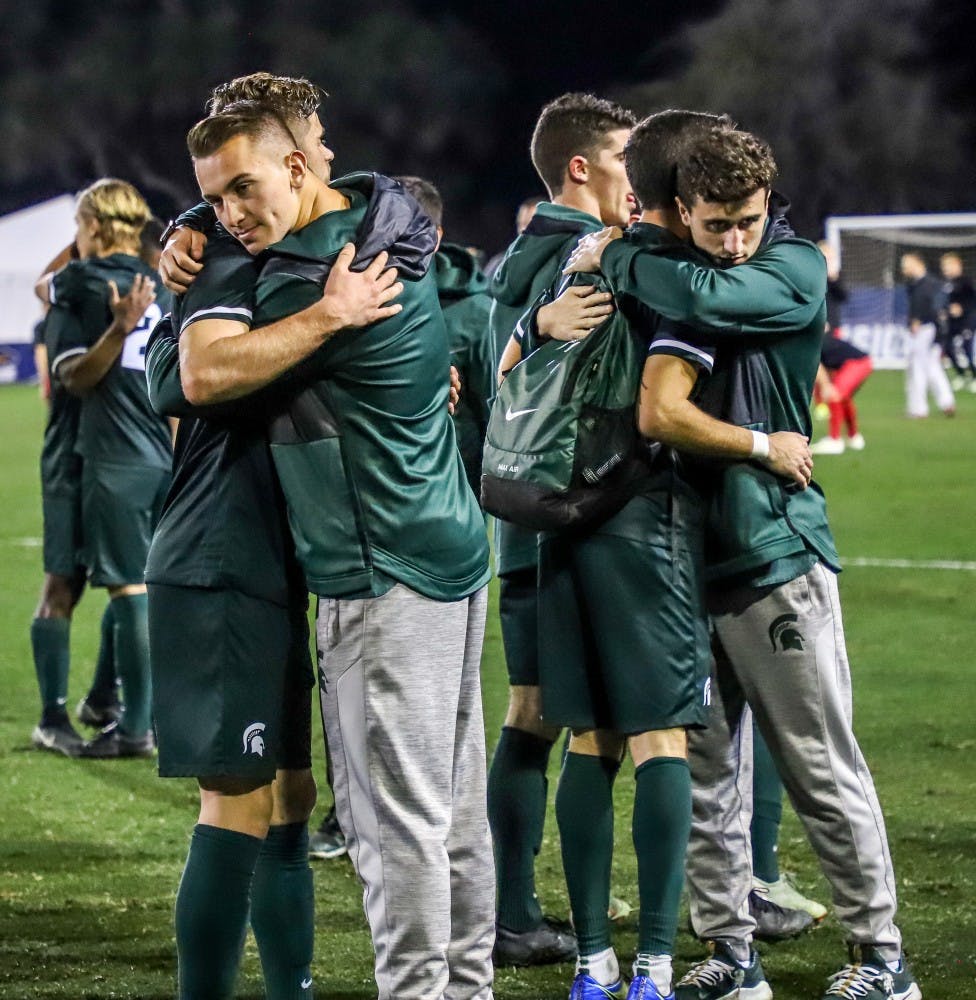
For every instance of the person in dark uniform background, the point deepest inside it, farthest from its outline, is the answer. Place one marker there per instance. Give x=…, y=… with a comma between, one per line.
x=924, y=373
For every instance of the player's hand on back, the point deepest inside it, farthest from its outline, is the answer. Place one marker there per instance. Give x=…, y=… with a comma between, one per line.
x=577, y=311
x=790, y=457
x=589, y=251
x=128, y=309
x=180, y=264
x=361, y=298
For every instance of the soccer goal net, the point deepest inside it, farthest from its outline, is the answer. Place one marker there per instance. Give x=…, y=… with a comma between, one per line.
x=869, y=249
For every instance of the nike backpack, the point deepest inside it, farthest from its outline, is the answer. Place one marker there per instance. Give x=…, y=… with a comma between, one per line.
x=561, y=451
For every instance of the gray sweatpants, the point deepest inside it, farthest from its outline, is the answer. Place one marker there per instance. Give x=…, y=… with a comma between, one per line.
x=782, y=650
x=401, y=701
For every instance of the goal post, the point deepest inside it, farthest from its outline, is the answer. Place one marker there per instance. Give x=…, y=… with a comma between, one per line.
x=869, y=249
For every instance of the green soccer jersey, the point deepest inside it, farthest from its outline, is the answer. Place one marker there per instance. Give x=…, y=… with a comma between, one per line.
x=60, y=463
x=223, y=524
x=366, y=453
x=767, y=318
x=463, y=293
x=531, y=264
x=117, y=425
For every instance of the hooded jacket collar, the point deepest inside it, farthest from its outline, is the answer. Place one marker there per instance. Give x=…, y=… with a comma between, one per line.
x=458, y=274
x=381, y=216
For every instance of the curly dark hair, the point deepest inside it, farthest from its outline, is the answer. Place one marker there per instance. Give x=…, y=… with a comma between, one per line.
x=573, y=125
x=726, y=166
x=293, y=98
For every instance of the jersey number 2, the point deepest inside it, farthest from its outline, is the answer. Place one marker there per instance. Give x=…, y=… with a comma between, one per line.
x=134, y=349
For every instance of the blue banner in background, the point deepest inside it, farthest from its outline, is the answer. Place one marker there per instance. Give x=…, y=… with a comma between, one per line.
x=17, y=363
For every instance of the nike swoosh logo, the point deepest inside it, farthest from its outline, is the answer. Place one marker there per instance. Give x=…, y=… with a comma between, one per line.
x=306, y=983
x=511, y=414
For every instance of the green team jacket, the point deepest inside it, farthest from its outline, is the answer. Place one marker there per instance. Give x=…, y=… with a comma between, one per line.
x=770, y=314
x=531, y=264
x=366, y=453
x=462, y=290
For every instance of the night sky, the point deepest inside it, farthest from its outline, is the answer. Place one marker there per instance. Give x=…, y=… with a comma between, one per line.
x=537, y=50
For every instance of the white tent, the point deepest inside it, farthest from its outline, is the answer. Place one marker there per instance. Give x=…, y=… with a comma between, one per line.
x=28, y=240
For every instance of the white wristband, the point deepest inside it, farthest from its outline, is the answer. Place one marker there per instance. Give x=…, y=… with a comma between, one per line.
x=760, y=445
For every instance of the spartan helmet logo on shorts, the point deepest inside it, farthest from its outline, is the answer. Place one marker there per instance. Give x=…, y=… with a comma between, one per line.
x=783, y=630
x=253, y=740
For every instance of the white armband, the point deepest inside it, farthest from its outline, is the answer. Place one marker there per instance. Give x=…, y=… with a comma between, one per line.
x=760, y=445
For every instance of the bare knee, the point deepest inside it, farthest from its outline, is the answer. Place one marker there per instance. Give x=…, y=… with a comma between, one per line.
x=658, y=743
x=525, y=712
x=59, y=595
x=240, y=804
x=294, y=794
x=597, y=743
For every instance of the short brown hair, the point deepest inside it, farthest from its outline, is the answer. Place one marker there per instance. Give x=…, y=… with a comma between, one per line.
x=254, y=120
x=293, y=98
x=426, y=195
x=573, y=125
x=655, y=148
x=726, y=166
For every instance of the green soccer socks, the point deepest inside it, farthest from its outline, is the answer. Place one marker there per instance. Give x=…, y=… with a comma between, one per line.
x=584, y=812
x=283, y=912
x=661, y=825
x=767, y=810
x=132, y=662
x=49, y=643
x=103, y=690
x=517, y=791
x=211, y=911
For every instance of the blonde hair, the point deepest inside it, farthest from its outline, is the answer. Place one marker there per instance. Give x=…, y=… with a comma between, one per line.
x=120, y=211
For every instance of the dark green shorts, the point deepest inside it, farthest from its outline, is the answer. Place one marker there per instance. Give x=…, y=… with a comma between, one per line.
x=624, y=632
x=120, y=505
x=62, y=532
x=231, y=677
x=519, y=617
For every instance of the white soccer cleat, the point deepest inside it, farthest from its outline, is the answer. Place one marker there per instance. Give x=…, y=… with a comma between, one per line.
x=828, y=446
x=856, y=443
x=785, y=894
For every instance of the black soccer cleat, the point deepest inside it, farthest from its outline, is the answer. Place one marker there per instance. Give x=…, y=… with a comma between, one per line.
x=97, y=716
x=59, y=737
x=328, y=841
x=776, y=923
x=111, y=744
x=553, y=941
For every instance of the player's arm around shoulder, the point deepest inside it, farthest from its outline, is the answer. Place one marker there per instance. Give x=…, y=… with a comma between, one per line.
x=780, y=290
x=182, y=258
x=221, y=360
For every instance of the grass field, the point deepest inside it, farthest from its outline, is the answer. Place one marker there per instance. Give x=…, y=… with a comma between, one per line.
x=91, y=852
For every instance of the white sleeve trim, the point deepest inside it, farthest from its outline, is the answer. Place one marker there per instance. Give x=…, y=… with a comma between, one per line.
x=519, y=333
x=706, y=359
x=70, y=353
x=214, y=312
